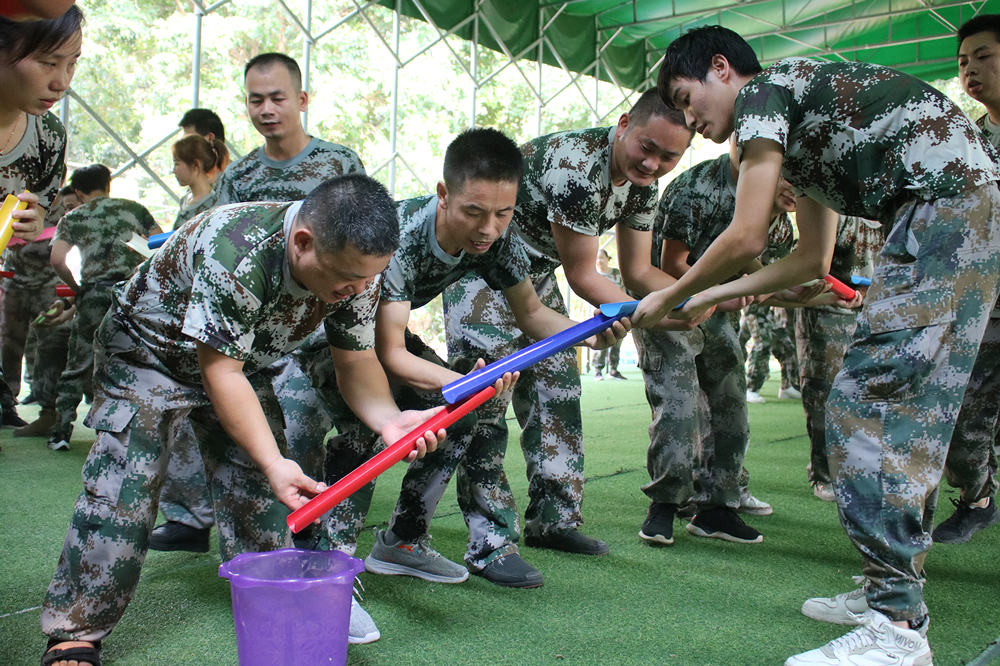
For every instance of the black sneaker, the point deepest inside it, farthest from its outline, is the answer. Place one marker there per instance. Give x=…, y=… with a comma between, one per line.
x=59, y=441
x=658, y=528
x=614, y=374
x=721, y=522
x=569, y=541
x=10, y=419
x=966, y=521
x=177, y=536
x=512, y=571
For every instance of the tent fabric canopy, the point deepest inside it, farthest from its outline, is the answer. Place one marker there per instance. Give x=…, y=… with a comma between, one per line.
x=916, y=36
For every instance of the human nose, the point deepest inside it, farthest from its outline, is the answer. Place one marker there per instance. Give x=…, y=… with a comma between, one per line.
x=689, y=118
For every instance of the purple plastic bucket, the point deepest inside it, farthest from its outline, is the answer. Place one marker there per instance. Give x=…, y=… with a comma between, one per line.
x=292, y=607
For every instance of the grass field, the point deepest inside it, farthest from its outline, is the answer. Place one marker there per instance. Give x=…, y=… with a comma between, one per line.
x=700, y=602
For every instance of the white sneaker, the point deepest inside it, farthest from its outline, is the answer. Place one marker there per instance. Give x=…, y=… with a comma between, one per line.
x=877, y=642
x=754, y=397
x=841, y=609
x=790, y=393
x=363, y=629
x=824, y=491
x=752, y=506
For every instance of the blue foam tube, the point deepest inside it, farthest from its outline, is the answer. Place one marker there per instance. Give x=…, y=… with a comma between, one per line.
x=476, y=381
x=156, y=240
x=861, y=281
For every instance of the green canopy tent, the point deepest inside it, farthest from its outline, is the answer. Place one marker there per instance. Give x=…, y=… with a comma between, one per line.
x=622, y=40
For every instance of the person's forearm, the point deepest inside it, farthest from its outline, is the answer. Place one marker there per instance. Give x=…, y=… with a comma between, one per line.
x=789, y=271
x=403, y=367
x=66, y=275
x=365, y=389
x=647, y=280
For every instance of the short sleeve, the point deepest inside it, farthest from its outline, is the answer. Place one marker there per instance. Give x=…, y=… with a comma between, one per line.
x=764, y=110
x=217, y=313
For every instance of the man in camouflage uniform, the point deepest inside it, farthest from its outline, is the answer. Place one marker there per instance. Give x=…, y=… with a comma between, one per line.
x=25, y=296
x=460, y=230
x=287, y=167
x=290, y=162
x=972, y=464
x=576, y=186
x=36, y=165
x=607, y=357
x=98, y=229
x=222, y=299
x=688, y=460
x=923, y=171
x=822, y=334
x=771, y=330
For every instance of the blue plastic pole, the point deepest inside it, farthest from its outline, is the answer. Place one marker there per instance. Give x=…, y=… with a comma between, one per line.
x=476, y=381
x=156, y=240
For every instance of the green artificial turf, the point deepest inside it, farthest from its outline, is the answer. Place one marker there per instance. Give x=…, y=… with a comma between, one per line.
x=700, y=602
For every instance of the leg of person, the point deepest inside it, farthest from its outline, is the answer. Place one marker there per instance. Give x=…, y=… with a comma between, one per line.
x=477, y=327
x=760, y=351
x=51, y=348
x=600, y=360
x=91, y=306
x=18, y=307
x=783, y=348
x=404, y=548
x=719, y=372
x=546, y=402
x=134, y=413
x=893, y=406
x=666, y=360
x=972, y=463
x=822, y=338
x=184, y=499
x=30, y=356
x=614, y=356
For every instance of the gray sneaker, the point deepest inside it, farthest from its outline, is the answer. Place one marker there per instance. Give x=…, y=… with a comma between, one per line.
x=413, y=559
x=363, y=629
x=841, y=609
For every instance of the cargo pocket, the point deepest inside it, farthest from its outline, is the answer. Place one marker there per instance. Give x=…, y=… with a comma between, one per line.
x=906, y=346
x=104, y=471
x=649, y=360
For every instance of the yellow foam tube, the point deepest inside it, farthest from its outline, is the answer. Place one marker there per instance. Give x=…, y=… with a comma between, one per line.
x=10, y=204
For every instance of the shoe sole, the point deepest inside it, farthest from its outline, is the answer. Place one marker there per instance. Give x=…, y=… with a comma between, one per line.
x=517, y=585
x=62, y=446
x=756, y=512
x=531, y=543
x=367, y=638
x=656, y=539
x=697, y=531
x=391, y=569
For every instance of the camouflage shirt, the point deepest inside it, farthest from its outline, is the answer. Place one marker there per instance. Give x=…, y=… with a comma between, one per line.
x=615, y=276
x=224, y=281
x=256, y=177
x=567, y=181
x=420, y=269
x=37, y=164
x=698, y=206
x=857, y=137
x=191, y=208
x=991, y=133
x=98, y=229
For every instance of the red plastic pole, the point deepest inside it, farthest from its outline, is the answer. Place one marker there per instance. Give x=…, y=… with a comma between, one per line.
x=63, y=291
x=840, y=288
x=338, y=492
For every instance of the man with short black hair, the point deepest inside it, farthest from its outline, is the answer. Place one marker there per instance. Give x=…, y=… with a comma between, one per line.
x=185, y=340
x=98, y=229
x=204, y=122
x=576, y=185
x=925, y=173
x=290, y=161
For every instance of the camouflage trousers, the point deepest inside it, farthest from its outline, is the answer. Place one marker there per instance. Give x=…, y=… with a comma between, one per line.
x=771, y=333
x=19, y=305
x=546, y=402
x=609, y=356
x=695, y=453
x=971, y=464
x=185, y=497
x=76, y=379
x=136, y=413
x=425, y=481
x=822, y=338
x=894, y=404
